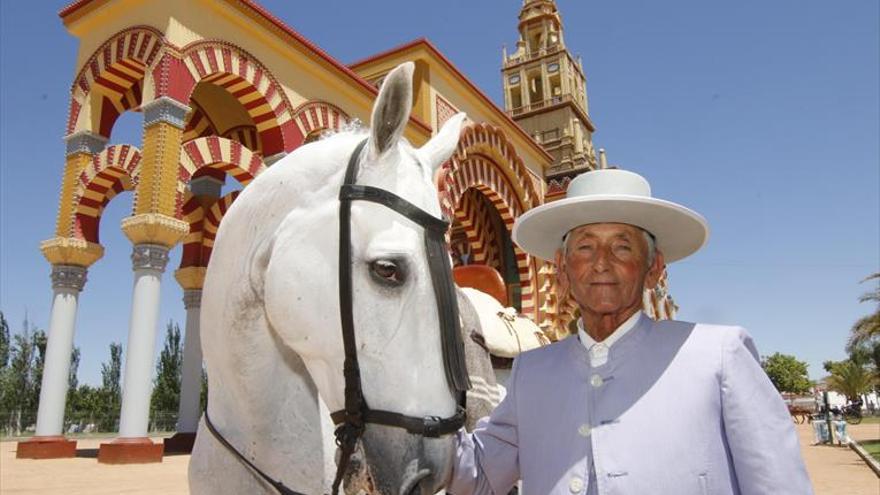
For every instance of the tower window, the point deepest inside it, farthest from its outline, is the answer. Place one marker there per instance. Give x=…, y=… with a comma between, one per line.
x=536, y=88
x=515, y=98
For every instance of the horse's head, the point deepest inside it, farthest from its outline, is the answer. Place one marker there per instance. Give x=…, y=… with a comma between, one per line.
x=394, y=306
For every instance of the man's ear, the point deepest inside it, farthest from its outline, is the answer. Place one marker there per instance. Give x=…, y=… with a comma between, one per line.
x=562, y=282
x=655, y=271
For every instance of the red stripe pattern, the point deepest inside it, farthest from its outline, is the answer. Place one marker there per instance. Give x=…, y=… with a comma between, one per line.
x=239, y=73
x=315, y=117
x=112, y=171
x=486, y=161
x=116, y=70
x=221, y=154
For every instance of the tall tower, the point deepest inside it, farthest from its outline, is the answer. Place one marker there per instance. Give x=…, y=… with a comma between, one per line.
x=545, y=91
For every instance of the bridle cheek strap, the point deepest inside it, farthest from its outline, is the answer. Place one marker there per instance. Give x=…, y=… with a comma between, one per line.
x=356, y=414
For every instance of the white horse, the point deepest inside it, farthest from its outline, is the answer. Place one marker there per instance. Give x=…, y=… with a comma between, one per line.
x=271, y=321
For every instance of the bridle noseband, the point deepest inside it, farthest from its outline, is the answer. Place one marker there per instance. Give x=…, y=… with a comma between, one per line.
x=352, y=420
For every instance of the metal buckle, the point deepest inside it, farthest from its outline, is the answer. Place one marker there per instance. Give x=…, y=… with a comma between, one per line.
x=431, y=426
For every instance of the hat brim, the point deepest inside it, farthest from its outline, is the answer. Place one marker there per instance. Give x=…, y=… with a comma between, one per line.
x=680, y=231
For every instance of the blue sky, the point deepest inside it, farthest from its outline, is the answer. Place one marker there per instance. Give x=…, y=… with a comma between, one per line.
x=763, y=116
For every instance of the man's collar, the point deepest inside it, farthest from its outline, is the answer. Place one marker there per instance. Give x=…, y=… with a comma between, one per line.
x=619, y=332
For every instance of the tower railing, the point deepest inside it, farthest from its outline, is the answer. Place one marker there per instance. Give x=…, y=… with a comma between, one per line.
x=531, y=55
x=538, y=105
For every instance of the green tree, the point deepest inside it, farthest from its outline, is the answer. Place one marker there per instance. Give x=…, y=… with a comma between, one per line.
x=18, y=381
x=4, y=341
x=868, y=326
x=787, y=373
x=70, y=407
x=166, y=390
x=850, y=379
x=39, y=342
x=107, y=411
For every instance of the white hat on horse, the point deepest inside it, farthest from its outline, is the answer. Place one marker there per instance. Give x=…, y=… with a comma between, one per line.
x=611, y=196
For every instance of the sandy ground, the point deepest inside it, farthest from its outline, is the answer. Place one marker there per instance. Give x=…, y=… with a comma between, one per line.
x=837, y=470
x=834, y=471
x=83, y=475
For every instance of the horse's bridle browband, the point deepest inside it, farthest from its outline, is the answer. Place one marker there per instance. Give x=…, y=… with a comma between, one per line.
x=352, y=420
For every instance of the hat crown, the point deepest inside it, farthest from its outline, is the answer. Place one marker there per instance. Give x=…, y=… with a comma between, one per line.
x=609, y=182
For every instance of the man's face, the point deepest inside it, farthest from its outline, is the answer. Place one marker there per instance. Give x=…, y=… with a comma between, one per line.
x=605, y=267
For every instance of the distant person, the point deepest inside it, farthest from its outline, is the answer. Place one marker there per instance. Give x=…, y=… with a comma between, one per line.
x=629, y=405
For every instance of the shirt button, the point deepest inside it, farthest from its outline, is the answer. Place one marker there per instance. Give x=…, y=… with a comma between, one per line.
x=584, y=430
x=576, y=485
x=596, y=381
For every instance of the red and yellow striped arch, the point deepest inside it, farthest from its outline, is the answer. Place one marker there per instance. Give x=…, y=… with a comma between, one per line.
x=193, y=213
x=315, y=116
x=475, y=214
x=116, y=72
x=245, y=78
x=212, y=222
x=487, y=162
x=219, y=153
x=112, y=171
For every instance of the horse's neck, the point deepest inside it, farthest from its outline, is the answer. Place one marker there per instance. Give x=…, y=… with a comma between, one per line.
x=268, y=409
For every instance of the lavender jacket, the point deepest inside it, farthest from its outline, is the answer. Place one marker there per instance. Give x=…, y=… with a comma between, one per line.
x=679, y=408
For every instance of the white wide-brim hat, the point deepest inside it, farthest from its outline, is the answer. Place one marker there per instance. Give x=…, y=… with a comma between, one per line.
x=611, y=196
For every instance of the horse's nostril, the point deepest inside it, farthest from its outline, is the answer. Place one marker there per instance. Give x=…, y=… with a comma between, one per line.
x=413, y=484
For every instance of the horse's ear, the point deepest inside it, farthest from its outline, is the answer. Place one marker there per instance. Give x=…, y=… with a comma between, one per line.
x=436, y=151
x=391, y=110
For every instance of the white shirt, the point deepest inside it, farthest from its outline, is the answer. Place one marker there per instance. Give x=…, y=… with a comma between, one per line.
x=599, y=350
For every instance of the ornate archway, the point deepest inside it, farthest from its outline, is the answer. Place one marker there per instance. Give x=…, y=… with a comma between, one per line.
x=245, y=78
x=213, y=217
x=314, y=117
x=487, y=162
x=112, y=171
x=219, y=153
x=113, y=79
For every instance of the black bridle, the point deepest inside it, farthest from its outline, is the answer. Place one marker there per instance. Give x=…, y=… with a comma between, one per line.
x=352, y=420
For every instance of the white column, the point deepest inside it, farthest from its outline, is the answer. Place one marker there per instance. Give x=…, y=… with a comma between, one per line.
x=148, y=263
x=191, y=375
x=67, y=283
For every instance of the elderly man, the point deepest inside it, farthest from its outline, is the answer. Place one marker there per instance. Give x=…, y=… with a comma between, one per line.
x=629, y=405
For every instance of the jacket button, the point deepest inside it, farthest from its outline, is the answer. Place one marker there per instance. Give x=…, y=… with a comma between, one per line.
x=584, y=430
x=596, y=381
x=576, y=485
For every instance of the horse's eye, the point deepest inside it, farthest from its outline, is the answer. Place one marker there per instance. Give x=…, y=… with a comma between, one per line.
x=388, y=272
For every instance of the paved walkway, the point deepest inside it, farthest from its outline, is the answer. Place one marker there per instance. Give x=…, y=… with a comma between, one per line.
x=837, y=470
x=834, y=471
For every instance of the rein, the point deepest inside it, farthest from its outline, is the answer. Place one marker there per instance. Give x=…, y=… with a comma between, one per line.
x=352, y=420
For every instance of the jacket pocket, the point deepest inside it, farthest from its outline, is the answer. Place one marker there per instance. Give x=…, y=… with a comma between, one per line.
x=704, y=484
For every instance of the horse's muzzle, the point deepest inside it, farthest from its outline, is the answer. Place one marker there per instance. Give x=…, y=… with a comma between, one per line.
x=401, y=463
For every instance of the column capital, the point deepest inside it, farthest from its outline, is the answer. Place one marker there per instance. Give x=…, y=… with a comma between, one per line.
x=71, y=251
x=154, y=228
x=206, y=185
x=165, y=109
x=192, y=298
x=149, y=257
x=191, y=277
x=85, y=142
x=69, y=277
